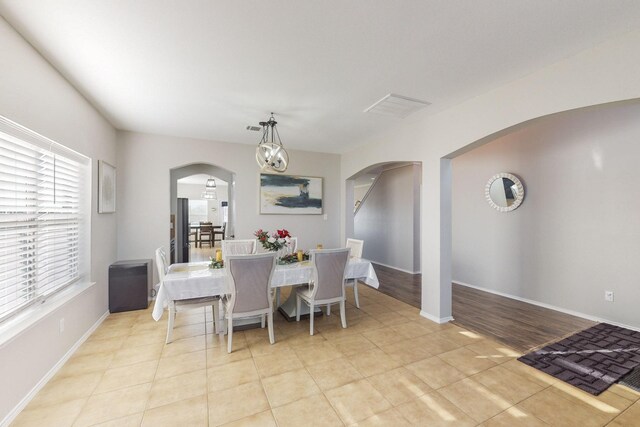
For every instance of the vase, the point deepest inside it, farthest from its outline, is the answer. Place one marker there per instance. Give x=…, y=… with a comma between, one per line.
x=281, y=252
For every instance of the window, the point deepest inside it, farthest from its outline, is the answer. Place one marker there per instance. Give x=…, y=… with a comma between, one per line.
x=44, y=217
x=197, y=211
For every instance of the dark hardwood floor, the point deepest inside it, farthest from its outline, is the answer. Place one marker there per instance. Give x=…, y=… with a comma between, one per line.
x=519, y=325
x=400, y=285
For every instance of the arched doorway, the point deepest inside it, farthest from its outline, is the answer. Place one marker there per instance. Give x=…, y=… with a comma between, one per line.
x=187, y=183
x=383, y=209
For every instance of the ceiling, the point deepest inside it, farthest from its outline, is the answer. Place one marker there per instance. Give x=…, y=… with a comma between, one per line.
x=207, y=69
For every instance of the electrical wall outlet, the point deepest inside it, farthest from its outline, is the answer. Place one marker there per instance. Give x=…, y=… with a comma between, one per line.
x=608, y=296
x=62, y=325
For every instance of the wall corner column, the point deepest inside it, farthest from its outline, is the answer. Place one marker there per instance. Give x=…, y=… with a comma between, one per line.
x=436, y=240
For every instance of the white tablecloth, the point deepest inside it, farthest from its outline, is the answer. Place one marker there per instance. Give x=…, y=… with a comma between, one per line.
x=197, y=280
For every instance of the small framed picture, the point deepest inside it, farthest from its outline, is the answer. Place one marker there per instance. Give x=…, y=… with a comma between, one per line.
x=106, y=187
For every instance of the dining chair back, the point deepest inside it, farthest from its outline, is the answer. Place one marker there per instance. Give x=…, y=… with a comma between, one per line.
x=206, y=234
x=249, y=281
x=195, y=233
x=293, y=245
x=250, y=294
x=326, y=285
x=161, y=263
x=356, y=247
x=218, y=235
x=238, y=247
x=329, y=268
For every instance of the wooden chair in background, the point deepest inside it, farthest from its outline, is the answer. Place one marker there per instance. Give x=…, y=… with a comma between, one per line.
x=206, y=234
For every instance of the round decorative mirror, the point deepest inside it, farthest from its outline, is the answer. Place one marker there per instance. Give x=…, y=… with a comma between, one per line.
x=504, y=192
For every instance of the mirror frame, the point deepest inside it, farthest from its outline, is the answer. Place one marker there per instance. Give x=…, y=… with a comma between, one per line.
x=516, y=203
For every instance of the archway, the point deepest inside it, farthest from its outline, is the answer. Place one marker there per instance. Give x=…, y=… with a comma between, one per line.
x=575, y=166
x=179, y=243
x=383, y=209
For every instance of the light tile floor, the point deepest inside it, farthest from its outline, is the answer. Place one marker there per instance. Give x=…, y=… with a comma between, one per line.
x=389, y=367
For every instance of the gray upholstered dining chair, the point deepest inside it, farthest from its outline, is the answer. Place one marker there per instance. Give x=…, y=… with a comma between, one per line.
x=327, y=283
x=250, y=294
x=356, y=247
x=213, y=301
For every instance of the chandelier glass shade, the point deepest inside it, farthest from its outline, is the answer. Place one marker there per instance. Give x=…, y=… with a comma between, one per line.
x=270, y=154
x=211, y=184
x=210, y=189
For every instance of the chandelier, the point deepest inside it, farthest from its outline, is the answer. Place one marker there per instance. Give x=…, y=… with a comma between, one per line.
x=210, y=189
x=270, y=153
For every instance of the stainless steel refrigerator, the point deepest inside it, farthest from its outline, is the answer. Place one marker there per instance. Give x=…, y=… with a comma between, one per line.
x=182, y=230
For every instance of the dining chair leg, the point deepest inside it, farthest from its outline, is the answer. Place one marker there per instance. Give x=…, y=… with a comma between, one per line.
x=229, y=334
x=298, y=301
x=272, y=339
x=312, y=311
x=221, y=325
x=216, y=316
x=262, y=321
x=355, y=292
x=172, y=315
x=328, y=309
x=343, y=315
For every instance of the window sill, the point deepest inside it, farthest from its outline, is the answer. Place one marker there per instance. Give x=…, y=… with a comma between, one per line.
x=18, y=324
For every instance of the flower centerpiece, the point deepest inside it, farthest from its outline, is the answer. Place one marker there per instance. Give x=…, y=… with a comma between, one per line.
x=274, y=242
x=293, y=258
x=215, y=264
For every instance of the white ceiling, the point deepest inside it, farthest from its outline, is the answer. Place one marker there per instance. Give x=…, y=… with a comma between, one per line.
x=207, y=69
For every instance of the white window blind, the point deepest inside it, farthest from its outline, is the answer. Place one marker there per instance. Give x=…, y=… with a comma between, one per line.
x=44, y=214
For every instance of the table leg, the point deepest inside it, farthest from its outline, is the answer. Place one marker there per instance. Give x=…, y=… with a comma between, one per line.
x=288, y=308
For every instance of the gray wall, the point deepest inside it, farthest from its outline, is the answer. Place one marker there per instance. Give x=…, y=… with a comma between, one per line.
x=387, y=219
x=34, y=95
x=144, y=164
x=577, y=233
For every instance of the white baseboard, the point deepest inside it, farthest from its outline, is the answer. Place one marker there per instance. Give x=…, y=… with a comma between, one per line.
x=25, y=401
x=549, y=306
x=439, y=320
x=395, y=268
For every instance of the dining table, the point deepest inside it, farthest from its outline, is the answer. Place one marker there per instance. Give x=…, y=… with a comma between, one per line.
x=199, y=280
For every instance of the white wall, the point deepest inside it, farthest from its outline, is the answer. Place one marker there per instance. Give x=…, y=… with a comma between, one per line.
x=605, y=73
x=143, y=222
x=577, y=233
x=385, y=220
x=33, y=94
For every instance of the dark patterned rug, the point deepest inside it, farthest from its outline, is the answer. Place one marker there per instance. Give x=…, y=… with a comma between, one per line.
x=592, y=359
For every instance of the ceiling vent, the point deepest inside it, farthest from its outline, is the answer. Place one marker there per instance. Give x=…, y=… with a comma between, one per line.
x=254, y=128
x=397, y=106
